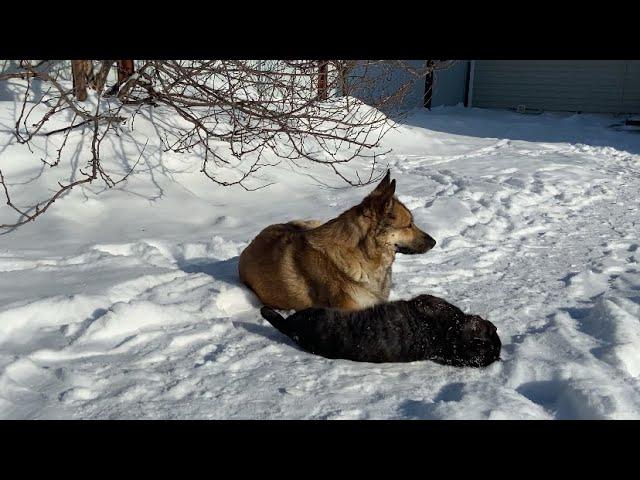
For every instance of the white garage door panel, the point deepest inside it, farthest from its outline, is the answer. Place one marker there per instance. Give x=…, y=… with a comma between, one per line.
x=590, y=86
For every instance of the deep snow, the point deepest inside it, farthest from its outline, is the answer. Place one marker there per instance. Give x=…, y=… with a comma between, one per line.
x=125, y=303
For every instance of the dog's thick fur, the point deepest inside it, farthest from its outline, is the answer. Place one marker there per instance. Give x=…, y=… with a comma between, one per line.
x=344, y=263
x=424, y=328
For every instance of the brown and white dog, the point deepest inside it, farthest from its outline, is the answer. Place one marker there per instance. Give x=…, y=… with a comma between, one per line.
x=344, y=263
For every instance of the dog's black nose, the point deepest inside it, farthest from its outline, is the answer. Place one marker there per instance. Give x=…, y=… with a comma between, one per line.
x=431, y=242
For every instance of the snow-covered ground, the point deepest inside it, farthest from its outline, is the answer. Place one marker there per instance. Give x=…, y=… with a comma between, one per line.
x=125, y=303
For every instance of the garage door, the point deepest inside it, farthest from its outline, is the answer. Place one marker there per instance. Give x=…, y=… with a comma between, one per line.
x=564, y=85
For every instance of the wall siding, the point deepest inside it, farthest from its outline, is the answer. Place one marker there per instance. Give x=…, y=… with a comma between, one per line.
x=561, y=85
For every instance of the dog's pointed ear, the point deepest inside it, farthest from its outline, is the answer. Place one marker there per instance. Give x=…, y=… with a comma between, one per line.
x=383, y=185
x=391, y=189
x=383, y=202
x=381, y=198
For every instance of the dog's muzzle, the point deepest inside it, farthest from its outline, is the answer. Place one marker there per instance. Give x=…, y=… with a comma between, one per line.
x=424, y=245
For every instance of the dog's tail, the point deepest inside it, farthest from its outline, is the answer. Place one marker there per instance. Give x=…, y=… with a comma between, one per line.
x=275, y=319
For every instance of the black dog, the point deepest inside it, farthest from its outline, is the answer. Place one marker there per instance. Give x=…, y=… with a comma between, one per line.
x=425, y=328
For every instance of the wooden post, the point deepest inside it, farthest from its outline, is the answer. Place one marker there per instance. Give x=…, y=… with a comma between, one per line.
x=125, y=69
x=344, y=86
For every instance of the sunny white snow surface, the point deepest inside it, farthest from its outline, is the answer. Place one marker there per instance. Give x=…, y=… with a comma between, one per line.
x=125, y=303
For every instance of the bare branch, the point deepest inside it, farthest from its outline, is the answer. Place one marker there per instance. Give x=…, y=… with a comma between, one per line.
x=239, y=116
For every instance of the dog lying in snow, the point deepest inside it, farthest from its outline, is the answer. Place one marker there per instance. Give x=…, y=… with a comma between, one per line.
x=343, y=263
x=424, y=328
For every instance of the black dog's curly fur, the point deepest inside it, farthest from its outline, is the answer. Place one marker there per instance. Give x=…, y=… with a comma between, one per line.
x=424, y=328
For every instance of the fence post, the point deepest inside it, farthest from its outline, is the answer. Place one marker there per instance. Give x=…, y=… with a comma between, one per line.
x=322, y=79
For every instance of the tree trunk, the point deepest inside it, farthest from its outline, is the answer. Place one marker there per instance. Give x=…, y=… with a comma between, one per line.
x=81, y=71
x=100, y=79
x=125, y=70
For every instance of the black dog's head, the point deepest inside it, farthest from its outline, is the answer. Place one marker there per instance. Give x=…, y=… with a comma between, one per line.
x=477, y=342
x=456, y=338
